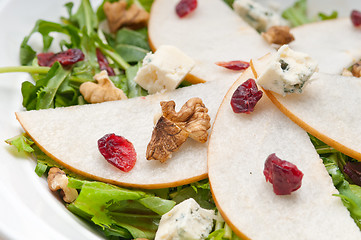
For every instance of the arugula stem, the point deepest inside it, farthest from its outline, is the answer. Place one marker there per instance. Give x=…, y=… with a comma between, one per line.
x=116, y=58
x=228, y=232
x=28, y=69
x=326, y=149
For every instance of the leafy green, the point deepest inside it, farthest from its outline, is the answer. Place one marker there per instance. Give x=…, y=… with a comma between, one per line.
x=85, y=17
x=42, y=94
x=134, y=90
x=297, y=14
x=323, y=16
x=120, y=212
x=22, y=142
x=350, y=195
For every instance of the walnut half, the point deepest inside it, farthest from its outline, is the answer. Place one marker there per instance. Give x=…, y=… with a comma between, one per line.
x=173, y=128
x=57, y=180
x=278, y=35
x=118, y=15
x=103, y=91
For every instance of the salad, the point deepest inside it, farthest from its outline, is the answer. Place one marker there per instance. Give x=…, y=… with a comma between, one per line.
x=132, y=213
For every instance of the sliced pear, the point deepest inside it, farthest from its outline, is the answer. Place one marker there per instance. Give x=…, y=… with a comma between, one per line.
x=335, y=44
x=212, y=33
x=69, y=136
x=238, y=147
x=327, y=108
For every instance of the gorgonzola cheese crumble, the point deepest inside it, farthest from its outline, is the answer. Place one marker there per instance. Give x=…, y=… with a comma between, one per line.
x=288, y=71
x=164, y=70
x=186, y=221
x=258, y=16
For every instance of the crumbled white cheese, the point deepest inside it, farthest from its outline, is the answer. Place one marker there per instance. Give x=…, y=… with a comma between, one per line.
x=186, y=220
x=258, y=16
x=288, y=71
x=164, y=70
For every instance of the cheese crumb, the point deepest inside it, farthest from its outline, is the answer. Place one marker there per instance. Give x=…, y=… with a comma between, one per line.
x=164, y=70
x=288, y=71
x=258, y=16
x=187, y=220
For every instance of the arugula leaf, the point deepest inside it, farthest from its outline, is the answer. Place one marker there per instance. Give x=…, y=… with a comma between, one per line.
x=323, y=16
x=350, y=196
x=22, y=142
x=85, y=17
x=134, y=90
x=297, y=14
x=117, y=210
x=135, y=38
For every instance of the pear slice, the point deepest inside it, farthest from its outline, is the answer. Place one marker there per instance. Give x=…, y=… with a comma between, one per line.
x=238, y=147
x=69, y=136
x=212, y=33
x=335, y=44
x=327, y=108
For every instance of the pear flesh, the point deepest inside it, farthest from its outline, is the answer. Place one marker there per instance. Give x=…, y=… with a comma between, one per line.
x=212, y=33
x=238, y=147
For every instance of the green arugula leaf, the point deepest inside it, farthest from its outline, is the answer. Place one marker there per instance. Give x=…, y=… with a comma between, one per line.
x=52, y=82
x=297, y=14
x=22, y=143
x=134, y=90
x=323, y=16
x=85, y=17
x=134, y=38
x=119, y=211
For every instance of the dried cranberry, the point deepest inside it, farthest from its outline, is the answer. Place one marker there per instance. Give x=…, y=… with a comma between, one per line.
x=246, y=96
x=234, y=65
x=118, y=151
x=356, y=18
x=65, y=58
x=284, y=175
x=353, y=170
x=103, y=63
x=184, y=7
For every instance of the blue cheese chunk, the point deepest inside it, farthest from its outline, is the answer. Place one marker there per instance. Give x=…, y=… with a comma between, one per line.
x=287, y=72
x=258, y=16
x=186, y=220
x=164, y=70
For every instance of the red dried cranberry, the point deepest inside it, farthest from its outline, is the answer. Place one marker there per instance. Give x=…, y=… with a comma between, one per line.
x=246, y=96
x=69, y=57
x=118, y=151
x=184, y=7
x=234, y=65
x=353, y=170
x=356, y=18
x=103, y=63
x=284, y=175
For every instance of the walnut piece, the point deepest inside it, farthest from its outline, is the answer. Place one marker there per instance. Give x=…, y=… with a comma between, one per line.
x=167, y=138
x=278, y=35
x=57, y=180
x=103, y=91
x=192, y=117
x=173, y=128
x=356, y=69
x=118, y=15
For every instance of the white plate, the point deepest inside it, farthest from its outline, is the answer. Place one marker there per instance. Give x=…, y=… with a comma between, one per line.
x=28, y=210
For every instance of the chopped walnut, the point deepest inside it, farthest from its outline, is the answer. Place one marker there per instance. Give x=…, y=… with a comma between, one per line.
x=104, y=91
x=356, y=69
x=278, y=35
x=192, y=117
x=57, y=180
x=118, y=15
x=173, y=128
x=167, y=138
